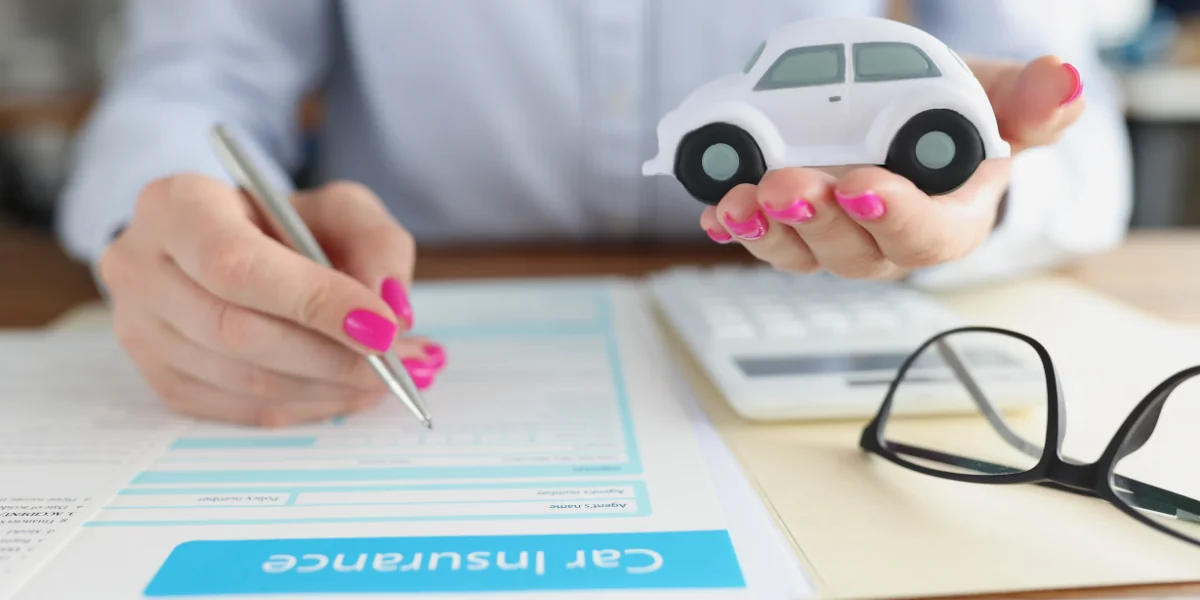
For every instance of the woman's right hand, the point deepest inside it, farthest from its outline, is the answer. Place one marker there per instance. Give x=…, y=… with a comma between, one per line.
x=227, y=323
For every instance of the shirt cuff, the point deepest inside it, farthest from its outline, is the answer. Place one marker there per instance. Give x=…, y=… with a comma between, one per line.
x=101, y=197
x=1038, y=229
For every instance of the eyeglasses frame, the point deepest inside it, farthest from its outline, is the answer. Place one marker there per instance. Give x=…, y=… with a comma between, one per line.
x=1053, y=469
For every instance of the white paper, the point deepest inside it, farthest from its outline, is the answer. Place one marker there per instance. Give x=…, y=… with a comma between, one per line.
x=767, y=560
x=63, y=451
x=557, y=415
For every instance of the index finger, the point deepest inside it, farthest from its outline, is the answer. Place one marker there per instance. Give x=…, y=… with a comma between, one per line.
x=210, y=237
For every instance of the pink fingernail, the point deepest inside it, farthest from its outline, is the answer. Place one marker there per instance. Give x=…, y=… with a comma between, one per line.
x=1077, y=89
x=867, y=206
x=719, y=236
x=752, y=229
x=799, y=211
x=437, y=356
x=393, y=293
x=370, y=329
x=422, y=374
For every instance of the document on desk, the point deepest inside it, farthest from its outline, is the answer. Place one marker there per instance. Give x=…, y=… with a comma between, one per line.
x=565, y=458
x=63, y=453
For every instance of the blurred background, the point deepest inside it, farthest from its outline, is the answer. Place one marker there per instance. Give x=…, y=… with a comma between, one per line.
x=53, y=57
x=55, y=54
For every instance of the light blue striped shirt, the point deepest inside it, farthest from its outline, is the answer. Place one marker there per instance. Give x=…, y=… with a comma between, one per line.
x=514, y=120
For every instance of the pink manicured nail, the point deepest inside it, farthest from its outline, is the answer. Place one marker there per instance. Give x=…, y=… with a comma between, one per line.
x=799, y=211
x=393, y=293
x=1077, y=90
x=370, y=329
x=437, y=356
x=719, y=236
x=752, y=229
x=422, y=374
x=868, y=206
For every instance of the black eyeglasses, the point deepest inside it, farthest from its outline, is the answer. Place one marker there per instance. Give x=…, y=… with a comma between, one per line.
x=974, y=372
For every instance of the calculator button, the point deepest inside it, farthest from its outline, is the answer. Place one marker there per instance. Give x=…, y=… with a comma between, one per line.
x=877, y=320
x=929, y=316
x=785, y=329
x=872, y=304
x=768, y=317
x=722, y=313
x=901, y=297
x=769, y=310
x=727, y=317
x=860, y=298
x=735, y=330
x=829, y=321
x=817, y=307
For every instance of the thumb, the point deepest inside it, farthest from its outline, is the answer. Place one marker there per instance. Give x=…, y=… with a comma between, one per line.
x=1039, y=102
x=363, y=240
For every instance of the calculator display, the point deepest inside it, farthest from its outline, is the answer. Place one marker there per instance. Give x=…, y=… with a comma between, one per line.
x=864, y=363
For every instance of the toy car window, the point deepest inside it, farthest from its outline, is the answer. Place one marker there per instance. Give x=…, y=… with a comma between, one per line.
x=889, y=61
x=810, y=65
x=754, y=57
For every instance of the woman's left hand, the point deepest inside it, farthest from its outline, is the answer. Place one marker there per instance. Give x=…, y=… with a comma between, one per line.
x=871, y=223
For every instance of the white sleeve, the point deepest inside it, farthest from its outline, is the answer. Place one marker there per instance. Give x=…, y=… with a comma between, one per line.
x=1066, y=200
x=187, y=65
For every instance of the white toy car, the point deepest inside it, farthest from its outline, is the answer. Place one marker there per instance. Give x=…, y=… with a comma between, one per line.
x=833, y=91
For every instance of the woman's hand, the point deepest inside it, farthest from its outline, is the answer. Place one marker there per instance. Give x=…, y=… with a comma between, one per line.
x=871, y=223
x=226, y=323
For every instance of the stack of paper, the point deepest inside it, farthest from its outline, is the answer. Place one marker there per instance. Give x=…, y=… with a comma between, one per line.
x=567, y=457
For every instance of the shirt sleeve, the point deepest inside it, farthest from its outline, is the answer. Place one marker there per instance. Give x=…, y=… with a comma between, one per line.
x=187, y=65
x=1065, y=200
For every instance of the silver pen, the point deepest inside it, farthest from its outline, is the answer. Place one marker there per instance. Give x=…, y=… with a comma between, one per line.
x=291, y=228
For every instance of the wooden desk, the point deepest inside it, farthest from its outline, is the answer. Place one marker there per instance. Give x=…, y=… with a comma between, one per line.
x=38, y=282
x=69, y=110
x=1153, y=271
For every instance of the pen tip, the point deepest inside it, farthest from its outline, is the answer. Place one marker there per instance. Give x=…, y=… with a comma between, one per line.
x=429, y=425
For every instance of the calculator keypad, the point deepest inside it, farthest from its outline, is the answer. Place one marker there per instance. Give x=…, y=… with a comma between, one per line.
x=740, y=304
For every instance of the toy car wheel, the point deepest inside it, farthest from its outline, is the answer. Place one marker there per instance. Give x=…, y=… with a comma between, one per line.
x=938, y=150
x=715, y=159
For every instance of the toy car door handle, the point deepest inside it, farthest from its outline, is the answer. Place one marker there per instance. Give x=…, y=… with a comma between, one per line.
x=835, y=98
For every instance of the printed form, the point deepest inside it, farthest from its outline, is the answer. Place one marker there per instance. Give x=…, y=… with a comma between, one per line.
x=64, y=452
x=565, y=458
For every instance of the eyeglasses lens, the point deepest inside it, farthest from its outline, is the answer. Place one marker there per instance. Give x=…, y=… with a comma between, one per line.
x=1160, y=477
x=981, y=396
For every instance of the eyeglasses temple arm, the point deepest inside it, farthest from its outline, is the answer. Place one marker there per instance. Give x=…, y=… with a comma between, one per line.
x=1131, y=491
x=1149, y=497
x=985, y=406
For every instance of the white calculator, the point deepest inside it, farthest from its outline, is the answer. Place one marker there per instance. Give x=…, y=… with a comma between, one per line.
x=784, y=346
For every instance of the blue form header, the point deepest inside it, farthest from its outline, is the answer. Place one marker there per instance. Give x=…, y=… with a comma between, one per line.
x=656, y=560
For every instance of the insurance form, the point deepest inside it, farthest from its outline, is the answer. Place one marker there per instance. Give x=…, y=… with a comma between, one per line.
x=64, y=453
x=564, y=459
